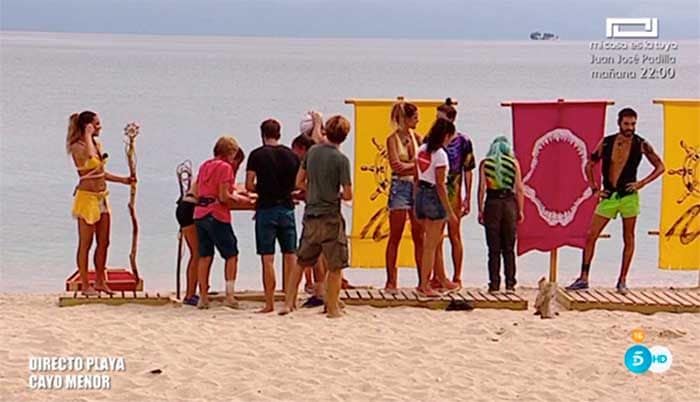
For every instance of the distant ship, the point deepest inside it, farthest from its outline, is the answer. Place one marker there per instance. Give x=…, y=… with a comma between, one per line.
x=543, y=36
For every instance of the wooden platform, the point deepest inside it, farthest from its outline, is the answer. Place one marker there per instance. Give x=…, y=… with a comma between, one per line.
x=76, y=298
x=122, y=297
x=246, y=295
x=117, y=279
x=646, y=301
x=463, y=299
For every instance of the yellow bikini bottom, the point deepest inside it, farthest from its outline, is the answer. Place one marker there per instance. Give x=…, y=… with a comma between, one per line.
x=89, y=206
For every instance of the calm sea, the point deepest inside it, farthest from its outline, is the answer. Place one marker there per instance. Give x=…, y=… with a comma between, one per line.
x=186, y=91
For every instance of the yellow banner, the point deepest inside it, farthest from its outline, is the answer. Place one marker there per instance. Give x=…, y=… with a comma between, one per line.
x=679, y=234
x=372, y=180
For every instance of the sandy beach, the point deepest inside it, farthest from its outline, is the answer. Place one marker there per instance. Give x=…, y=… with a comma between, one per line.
x=369, y=354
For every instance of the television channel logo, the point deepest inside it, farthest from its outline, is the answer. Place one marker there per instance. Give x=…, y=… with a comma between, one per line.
x=650, y=28
x=639, y=359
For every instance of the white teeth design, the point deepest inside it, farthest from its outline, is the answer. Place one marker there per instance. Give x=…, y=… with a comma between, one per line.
x=563, y=135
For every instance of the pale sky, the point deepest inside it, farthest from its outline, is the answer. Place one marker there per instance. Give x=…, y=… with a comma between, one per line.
x=440, y=19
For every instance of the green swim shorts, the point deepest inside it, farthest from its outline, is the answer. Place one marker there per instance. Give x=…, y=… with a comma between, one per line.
x=627, y=206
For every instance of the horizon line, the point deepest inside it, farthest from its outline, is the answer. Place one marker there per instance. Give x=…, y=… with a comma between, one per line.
x=267, y=36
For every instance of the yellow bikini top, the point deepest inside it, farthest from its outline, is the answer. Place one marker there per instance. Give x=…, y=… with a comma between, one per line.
x=94, y=167
x=404, y=154
x=93, y=163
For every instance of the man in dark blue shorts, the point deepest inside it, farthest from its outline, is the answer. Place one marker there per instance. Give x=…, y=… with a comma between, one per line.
x=271, y=173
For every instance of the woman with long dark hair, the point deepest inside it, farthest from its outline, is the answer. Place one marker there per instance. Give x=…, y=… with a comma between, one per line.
x=432, y=205
x=460, y=154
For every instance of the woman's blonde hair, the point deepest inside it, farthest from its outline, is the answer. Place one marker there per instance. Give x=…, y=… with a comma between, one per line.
x=76, y=127
x=226, y=145
x=401, y=111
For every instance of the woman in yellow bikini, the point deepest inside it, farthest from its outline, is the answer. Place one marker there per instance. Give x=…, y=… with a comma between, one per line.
x=90, y=206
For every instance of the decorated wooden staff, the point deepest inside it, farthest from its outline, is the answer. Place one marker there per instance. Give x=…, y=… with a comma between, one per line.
x=184, y=179
x=131, y=131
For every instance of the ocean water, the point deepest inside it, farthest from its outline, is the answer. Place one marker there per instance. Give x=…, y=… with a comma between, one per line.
x=186, y=91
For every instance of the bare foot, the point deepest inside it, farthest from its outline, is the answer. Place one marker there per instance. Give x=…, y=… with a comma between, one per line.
x=231, y=303
x=437, y=287
x=447, y=285
x=102, y=287
x=336, y=314
x=458, y=282
x=90, y=291
x=266, y=310
x=429, y=292
x=203, y=304
x=284, y=311
x=391, y=289
x=309, y=288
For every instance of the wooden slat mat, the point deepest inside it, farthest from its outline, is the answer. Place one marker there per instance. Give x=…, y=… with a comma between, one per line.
x=646, y=301
x=474, y=298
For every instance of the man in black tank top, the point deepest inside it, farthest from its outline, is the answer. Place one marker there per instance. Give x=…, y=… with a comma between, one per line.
x=271, y=173
x=621, y=155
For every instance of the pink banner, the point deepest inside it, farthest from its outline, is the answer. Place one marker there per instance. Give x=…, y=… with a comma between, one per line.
x=552, y=142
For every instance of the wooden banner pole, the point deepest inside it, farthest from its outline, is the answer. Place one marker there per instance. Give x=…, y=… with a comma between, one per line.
x=559, y=100
x=553, y=257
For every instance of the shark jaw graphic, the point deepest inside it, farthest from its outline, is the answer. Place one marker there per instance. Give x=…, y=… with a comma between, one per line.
x=558, y=135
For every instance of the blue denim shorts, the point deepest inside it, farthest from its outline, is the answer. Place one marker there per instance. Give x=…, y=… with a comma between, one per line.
x=400, y=194
x=214, y=233
x=275, y=224
x=428, y=204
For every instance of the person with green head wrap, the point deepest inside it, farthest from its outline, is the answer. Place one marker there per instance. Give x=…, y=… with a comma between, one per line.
x=500, y=201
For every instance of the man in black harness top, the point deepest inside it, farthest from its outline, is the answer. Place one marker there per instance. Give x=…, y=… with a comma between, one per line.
x=621, y=154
